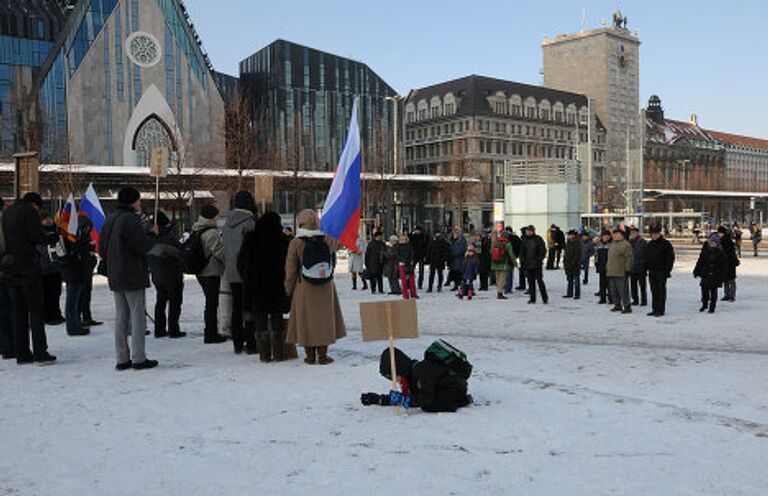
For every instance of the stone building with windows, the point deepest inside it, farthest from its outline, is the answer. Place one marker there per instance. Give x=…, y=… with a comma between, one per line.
x=471, y=127
x=115, y=79
x=688, y=167
x=604, y=64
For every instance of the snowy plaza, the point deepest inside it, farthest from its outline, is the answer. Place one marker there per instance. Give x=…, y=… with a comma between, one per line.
x=570, y=399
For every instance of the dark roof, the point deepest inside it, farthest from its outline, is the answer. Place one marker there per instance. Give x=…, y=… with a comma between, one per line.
x=473, y=91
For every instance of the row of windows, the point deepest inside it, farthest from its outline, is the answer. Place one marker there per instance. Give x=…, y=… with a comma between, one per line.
x=22, y=51
x=500, y=128
x=497, y=147
x=27, y=26
x=95, y=16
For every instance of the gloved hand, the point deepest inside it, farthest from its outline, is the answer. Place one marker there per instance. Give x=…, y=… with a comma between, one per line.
x=374, y=399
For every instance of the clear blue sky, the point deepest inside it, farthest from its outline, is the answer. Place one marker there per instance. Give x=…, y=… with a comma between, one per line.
x=705, y=56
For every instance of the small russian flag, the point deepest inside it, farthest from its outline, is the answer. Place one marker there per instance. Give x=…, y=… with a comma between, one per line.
x=66, y=219
x=341, y=212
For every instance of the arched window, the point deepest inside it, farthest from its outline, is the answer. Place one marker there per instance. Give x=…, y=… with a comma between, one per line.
x=516, y=105
x=449, y=104
x=530, y=108
x=544, y=110
x=152, y=134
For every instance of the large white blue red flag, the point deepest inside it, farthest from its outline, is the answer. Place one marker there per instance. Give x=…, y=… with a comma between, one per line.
x=66, y=219
x=90, y=206
x=341, y=212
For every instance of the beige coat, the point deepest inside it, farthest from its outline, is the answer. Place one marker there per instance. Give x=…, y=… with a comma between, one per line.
x=212, y=247
x=316, y=318
x=620, y=259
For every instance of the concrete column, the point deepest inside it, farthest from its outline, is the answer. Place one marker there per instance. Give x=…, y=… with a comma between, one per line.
x=26, y=173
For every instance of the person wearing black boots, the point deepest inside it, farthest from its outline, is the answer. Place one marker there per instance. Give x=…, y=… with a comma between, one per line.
x=638, y=275
x=72, y=270
x=711, y=268
x=438, y=254
x=23, y=233
x=374, y=262
x=601, y=264
x=532, y=258
x=165, y=267
x=50, y=272
x=419, y=243
x=731, y=262
x=262, y=264
x=209, y=277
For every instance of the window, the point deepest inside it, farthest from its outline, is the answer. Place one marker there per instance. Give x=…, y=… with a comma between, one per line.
x=530, y=112
x=435, y=112
x=545, y=115
x=517, y=110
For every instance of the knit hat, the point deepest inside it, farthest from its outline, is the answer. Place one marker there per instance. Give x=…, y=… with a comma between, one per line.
x=394, y=239
x=35, y=198
x=244, y=200
x=714, y=239
x=722, y=229
x=209, y=211
x=654, y=229
x=605, y=232
x=573, y=232
x=128, y=195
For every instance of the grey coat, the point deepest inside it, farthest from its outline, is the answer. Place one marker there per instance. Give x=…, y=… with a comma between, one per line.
x=238, y=223
x=212, y=247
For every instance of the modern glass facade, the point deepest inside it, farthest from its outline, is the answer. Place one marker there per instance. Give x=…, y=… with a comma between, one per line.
x=27, y=31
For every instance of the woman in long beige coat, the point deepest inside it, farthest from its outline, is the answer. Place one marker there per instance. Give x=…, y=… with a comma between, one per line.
x=316, y=319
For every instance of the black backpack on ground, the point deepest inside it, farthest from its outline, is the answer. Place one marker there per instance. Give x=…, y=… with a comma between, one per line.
x=316, y=261
x=192, y=258
x=453, y=358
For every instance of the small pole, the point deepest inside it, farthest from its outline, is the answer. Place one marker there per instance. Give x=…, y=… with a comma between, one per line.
x=392, y=363
x=157, y=196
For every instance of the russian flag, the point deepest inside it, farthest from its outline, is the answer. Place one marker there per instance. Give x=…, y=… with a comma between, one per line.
x=66, y=219
x=341, y=212
x=90, y=206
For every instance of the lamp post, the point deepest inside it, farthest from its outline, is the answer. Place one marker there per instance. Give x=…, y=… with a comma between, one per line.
x=396, y=169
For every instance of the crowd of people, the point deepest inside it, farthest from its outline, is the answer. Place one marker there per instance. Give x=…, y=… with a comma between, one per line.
x=266, y=271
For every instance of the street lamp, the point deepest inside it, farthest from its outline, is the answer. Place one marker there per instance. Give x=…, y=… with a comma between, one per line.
x=396, y=168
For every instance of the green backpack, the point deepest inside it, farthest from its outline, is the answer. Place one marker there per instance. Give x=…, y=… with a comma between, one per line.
x=453, y=358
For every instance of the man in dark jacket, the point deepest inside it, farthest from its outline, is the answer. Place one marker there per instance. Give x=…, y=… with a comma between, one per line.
x=89, y=263
x=23, y=233
x=533, y=253
x=72, y=269
x=517, y=245
x=638, y=274
x=124, y=247
x=374, y=262
x=731, y=262
x=262, y=265
x=419, y=244
x=659, y=260
x=485, y=259
x=458, y=244
x=711, y=268
x=572, y=265
x=587, y=252
x=556, y=243
x=165, y=267
x=438, y=254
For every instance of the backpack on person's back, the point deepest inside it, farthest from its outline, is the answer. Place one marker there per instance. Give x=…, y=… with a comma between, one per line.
x=316, y=261
x=192, y=258
x=499, y=251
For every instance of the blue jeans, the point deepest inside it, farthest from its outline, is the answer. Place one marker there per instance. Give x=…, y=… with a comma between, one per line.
x=574, y=286
x=72, y=307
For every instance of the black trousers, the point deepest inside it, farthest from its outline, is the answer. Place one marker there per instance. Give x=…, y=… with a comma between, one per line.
x=523, y=278
x=7, y=341
x=51, y=299
x=28, y=315
x=242, y=332
x=170, y=294
x=484, y=276
x=658, y=282
x=709, y=298
x=269, y=321
x=210, y=285
x=454, y=277
x=535, y=276
x=605, y=295
x=432, y=273
x=420, y=267
x=85, y=298
x=377, y=283
x=638, y=285
x=553, y=258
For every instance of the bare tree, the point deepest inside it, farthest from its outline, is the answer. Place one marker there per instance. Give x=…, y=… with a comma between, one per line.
x=463, y=188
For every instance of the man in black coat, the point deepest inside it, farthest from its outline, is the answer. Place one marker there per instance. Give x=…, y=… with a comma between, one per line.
x=533, y=253
x=23, y=233
x=50, y=272
x=374, y=262
x=659, y=260
x=124, y=246
x=262, y=264
x=438, y=254
x=89, y=263
x=72, y=270
x=731, y=262
x=522, y=277
x=165, y=267
x=638, y=272
x=419, y=244
x=7, y=342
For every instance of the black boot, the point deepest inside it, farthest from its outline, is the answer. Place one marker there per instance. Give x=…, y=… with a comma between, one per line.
x=265, y=348
x=278, y=347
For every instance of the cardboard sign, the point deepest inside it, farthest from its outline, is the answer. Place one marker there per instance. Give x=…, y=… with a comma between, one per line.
x=159, y=162
x=383, y=320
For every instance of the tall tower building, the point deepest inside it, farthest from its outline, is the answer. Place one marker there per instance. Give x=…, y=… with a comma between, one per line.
x=604, y=64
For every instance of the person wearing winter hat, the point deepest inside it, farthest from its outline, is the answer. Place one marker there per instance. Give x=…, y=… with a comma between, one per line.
x=316, y=320
x=168, y=278
x=374, y=262
x=391, y=267
x=123, y=247
x=711, y=268
x=470, y=269
x=659, y=260
x=572, y=265
x=209, y=277
x=731, y=262
x=532, y=257
x=601, y=263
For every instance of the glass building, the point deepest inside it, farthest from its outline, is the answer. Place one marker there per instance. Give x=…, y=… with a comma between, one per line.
x=27, y=31
x=300, y=101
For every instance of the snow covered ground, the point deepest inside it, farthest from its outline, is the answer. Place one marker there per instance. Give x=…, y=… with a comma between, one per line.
x=570, y=399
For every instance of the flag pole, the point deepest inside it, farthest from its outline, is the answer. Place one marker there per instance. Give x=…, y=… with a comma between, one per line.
x=363, y=195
